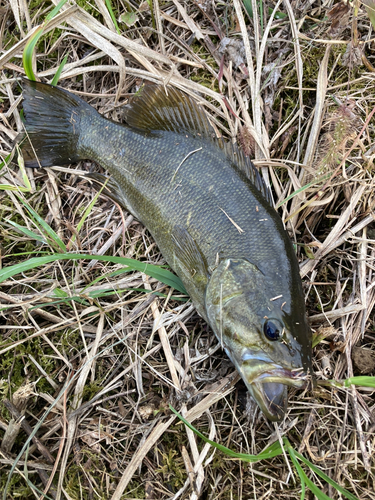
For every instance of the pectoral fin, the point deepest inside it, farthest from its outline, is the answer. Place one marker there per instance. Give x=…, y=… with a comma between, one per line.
x=190, y=256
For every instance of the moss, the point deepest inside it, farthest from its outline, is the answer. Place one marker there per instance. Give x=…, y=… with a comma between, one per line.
x=16, y=364
x=18, y=488
x=11, y=365
x=39, y=4
x=89, y=464
x=202, y=76
x=73, y=482
x=172, y=468
x=4, y=388
x=69, y=339
x=91, y=389
x=135, y=489
x=89, y=8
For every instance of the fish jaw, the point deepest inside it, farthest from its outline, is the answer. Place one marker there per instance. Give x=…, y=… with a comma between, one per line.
x=268, y=384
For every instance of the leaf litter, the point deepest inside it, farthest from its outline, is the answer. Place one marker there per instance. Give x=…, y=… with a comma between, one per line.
x=91, y=358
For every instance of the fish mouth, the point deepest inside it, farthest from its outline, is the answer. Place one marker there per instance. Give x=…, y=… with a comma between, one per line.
x=268, y=385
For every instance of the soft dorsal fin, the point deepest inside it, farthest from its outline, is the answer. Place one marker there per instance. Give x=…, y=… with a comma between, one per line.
x=155, y=109
x=245, y=165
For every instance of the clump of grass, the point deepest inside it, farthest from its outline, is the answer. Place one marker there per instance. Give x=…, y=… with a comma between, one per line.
x=280, y=447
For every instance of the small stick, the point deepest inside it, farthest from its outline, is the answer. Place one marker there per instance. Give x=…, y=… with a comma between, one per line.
x=28, y=429
x=43, y=450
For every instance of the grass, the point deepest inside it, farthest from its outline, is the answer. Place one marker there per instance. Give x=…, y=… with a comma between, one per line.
x=276, y=449
x=98, y=339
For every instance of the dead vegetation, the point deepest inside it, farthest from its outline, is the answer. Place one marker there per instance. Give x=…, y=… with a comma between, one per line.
x=89, y=360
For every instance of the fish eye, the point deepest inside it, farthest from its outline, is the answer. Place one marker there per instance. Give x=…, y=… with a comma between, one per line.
x=273, y=329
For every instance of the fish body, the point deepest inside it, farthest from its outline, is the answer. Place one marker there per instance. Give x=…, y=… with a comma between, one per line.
x=209, y=213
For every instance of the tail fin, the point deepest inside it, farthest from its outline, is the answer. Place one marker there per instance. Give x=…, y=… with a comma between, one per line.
x=53, y=125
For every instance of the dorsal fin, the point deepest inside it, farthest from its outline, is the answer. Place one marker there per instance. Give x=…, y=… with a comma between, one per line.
x=154, y=109
x=245, y=165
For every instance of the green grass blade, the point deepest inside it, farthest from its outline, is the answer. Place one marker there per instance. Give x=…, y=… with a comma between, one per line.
x=248, y=6
x=303, y=477
x=66, y=301
x=56, y=10
x=122, y=271
x=26, y=474
x=278, y=14
x=21, y=165
x=326, y=478
x=27, y=56
x=272, y=451
x=111, y=13
x=27, y=232
x=299, y=471
x=44, y=228
x=370, y=9
x=5, y=161
x=65, y=298
x=156, y=272
x=97, y=294
x=151, y=5
x=301, y=189
x=86, y=213
x=361, y=381
x=249, y=9
x=317, y=338
x=9, y=187
x=60, y=293
x=59, y=71
x=315, y=490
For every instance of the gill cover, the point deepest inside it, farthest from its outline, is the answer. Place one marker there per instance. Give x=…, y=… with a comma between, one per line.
x=231, y=279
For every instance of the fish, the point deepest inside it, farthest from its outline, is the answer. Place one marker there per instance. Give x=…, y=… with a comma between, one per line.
x=208, y=210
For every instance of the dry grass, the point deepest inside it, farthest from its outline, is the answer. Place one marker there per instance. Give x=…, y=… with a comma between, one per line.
x=93, y=365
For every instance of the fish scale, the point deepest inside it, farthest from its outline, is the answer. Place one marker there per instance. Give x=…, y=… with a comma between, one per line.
x=209, y=213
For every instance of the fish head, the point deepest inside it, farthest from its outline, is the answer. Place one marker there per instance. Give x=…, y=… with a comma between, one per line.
x=263, y=328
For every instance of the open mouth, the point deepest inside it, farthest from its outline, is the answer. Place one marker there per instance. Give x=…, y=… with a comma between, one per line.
x=270, y=389
x=276, y=396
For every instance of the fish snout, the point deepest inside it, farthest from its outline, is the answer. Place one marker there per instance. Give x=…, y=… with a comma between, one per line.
x=268, y=384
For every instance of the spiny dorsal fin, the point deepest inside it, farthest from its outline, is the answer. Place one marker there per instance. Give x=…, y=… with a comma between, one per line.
x=154, y=109
x=245, y=165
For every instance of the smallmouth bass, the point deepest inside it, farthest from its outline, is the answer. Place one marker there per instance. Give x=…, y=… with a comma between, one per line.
x=210, y=214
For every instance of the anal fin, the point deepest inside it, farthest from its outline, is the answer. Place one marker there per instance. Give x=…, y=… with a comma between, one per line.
x=111, y=187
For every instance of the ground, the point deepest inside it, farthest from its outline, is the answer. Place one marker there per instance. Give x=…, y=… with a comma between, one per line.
x=90, y=357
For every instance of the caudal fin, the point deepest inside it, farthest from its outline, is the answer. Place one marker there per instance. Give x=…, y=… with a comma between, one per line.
x=53, y=119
